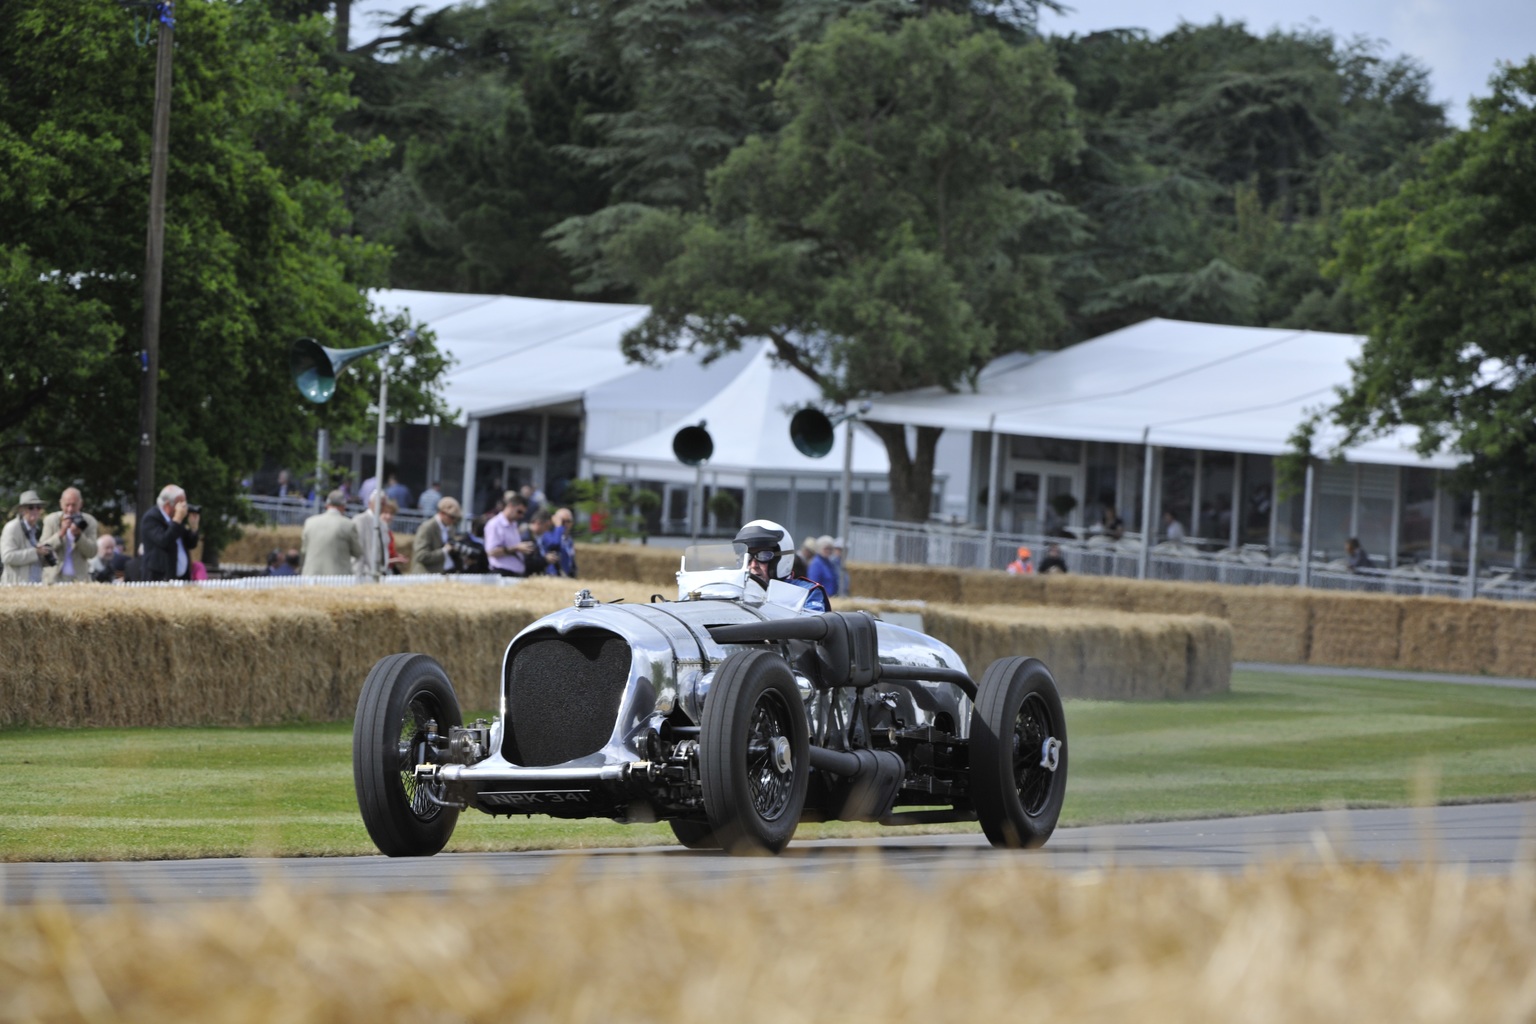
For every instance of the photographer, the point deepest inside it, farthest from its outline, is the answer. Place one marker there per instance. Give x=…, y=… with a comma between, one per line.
x=71, y=534
x=21, y=543
x=435, y=543
x=167, y=533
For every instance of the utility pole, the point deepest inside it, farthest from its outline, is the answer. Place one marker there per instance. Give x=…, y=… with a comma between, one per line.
x=154, y=253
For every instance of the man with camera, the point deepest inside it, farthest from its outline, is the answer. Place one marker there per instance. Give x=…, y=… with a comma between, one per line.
x=166, y=535
x=22, y=550
x=436, y=549
x=71, y=534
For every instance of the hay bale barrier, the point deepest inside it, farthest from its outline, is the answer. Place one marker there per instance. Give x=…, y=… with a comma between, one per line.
x=187, y=656
x=1273, y=944
x=1092, y=653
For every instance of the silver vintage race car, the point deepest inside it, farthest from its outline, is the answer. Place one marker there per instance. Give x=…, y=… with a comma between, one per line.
x=731, y=713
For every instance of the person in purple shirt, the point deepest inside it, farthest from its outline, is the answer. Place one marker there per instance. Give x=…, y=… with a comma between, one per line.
x=510, y=550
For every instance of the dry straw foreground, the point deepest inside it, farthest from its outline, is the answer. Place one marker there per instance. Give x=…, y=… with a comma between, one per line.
x=116, y=656
x=1348, y=944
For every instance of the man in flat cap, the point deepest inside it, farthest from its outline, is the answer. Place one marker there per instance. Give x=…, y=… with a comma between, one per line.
x=433, y=550
x=330, y=541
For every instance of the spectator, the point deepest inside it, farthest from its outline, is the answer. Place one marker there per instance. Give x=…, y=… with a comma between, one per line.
x=1355, y=555
x=277, y=565
x=71, y=533
x=369, y=485
x=1173, y=530
x=294, y=559
x=395, y=561
x=284, y=488
x=330, y=541
x=1021, y=566
x=1110, y=523
x=110, y=563
x=399, y=492
x=21, y=542
x=167, y=534
x=821, y=569
x=561, y=541
x=511, y=549
x=838, y=548
x=371, y=533
x=1053, y=562
x=544, y=560
x=430, y=497
x=433, y=550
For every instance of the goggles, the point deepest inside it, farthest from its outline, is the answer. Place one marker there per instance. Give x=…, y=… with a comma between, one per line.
x=767, y=556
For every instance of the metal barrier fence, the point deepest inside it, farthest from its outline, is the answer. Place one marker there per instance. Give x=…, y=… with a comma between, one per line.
x=272, y=511
x=259, y=582
x=960, y=547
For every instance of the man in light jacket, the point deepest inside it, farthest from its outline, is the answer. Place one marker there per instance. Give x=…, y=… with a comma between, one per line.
x=71, y=533
x=330, y=541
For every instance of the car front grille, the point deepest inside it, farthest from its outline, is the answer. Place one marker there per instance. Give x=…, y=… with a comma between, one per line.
x=563, y=696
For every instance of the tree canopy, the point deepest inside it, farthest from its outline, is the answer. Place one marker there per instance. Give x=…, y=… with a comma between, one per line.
x=890, y=235
x=1444, y=271
x=257, y=250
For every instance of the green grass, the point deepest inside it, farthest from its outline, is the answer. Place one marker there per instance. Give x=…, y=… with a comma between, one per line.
x=1275, y=743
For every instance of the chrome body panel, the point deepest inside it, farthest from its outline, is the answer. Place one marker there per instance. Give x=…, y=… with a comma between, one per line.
x=672, y=662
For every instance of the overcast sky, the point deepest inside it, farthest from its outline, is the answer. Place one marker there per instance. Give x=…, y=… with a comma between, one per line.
x=1459, y=40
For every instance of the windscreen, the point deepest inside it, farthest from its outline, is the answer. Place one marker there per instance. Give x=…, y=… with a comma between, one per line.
x=703, y=557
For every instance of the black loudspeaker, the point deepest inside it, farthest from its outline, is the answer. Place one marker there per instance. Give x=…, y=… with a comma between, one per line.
x=693, y=445
x=811, y=432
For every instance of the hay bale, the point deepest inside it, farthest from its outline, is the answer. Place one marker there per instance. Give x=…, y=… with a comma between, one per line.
x=1102, y=655
x=1269, y=624
x=1442, y=634
x=1515, y=644
x=1355, y=629
x=978, y=587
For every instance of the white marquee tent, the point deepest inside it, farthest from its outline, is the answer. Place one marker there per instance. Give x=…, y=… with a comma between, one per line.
x=1169, y=383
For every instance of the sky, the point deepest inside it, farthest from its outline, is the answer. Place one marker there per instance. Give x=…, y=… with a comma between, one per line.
x=1460, y=41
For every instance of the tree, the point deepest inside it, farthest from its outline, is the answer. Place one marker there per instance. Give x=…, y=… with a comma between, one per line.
x=257, y=247
x=1217, y=162
x=483, y=110
x=890, y=236
x=1445, y=271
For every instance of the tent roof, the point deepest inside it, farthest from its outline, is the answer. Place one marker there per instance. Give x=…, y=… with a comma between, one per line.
x=1170, y=382
x=505, y=347
x=748, y=420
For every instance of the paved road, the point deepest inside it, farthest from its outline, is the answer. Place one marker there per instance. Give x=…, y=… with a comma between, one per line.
x=1487, y=838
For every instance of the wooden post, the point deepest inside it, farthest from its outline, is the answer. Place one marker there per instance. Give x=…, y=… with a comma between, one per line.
x=154, y=254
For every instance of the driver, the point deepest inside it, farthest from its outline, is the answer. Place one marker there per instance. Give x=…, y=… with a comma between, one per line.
x=771, y=555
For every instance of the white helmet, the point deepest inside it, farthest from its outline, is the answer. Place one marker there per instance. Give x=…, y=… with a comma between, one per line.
x=766, y=535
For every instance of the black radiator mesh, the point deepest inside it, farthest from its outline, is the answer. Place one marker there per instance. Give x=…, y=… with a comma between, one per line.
x=563, y=697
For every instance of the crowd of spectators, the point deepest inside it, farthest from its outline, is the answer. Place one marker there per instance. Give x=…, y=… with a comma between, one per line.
x=68, y=546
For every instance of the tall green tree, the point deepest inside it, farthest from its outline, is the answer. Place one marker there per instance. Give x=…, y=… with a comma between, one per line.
x=1217, y=162
x=1445, y=271
x=257, y=249
x=892, y=235
x=484, y=112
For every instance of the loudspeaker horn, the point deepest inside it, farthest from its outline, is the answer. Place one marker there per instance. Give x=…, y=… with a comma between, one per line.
x=314, y=367
x=693, y=445
x=811, y=432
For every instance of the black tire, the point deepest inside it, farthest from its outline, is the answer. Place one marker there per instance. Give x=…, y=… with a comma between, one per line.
x=754, y=758
x=1018, y=711
x=400, y=695
x=696, y=835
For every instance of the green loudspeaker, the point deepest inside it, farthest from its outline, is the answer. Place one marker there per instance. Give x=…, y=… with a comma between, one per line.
x=811, y=432
x=314, y=367
x=693, y=445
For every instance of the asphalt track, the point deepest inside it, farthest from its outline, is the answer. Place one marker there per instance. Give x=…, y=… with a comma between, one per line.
x=1483, y=838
